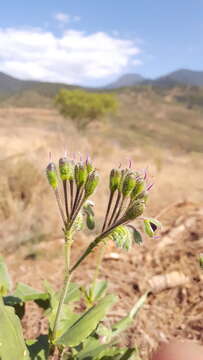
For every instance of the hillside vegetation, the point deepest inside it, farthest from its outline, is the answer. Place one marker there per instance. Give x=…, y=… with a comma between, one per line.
x=146, y=115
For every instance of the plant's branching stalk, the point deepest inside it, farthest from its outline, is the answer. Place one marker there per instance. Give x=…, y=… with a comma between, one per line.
x=94, y=243
x=58, y=199
x=75, y=204
x=66, y=198
x=108, y=209
x=115, y=209
x=67, y=278
x=120, y=208
x=77, y=212
x=71, y=193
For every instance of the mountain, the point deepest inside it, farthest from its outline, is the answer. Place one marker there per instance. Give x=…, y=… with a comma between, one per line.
x=179, y=77
x=10, y=85
x=126, y=80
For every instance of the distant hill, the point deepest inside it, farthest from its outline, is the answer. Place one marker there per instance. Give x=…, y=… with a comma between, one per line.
x=178, y=77
x=126, y=80
x=10, y=85
x=181, y=77
x=14, y=91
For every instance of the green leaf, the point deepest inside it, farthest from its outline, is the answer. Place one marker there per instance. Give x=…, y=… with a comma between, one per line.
x=105, y=332
x=73, y=294
x=92, y=348
x=126, y=321
x=83, y=327
x=12, y=345
x=27, y=293
x=99, y=289
x=38, y=348
x=16, y=303
x=136, y=235
x=67, y=318
x=5, y=280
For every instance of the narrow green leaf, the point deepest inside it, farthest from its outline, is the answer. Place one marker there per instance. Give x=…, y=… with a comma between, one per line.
x=27, y=293
x=126, y=321
x=73, y=294
x=139, y=304
x=136, y=235
x=77, y=333
x=99, y=289
x=67, y=319
x=12, y=345
x=92, y=348
x=5, y=279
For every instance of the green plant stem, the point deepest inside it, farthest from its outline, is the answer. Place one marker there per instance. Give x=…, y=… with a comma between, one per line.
x=58, y=199
x=114, y=210
x=66, y=197
x=94, y=243
x=108, y=209
x=98, y=266
x=71, y=194
x=120, y=208
x=67, y=278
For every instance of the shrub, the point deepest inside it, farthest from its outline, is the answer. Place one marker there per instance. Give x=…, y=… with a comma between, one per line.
x=83, y=107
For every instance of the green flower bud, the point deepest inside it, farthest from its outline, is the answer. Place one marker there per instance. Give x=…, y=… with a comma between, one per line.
x=142, y=196
x=128, y=184
x=52, y=175
x=80, y=174
x=91, y=183
x=114, y=180
x=148, y=228
x=124, y=172
x=89, y=166
x=65, y=168
x=135, y=210
x=90, y=222
x=121, y=235
x=201, y=260
x=139, y=187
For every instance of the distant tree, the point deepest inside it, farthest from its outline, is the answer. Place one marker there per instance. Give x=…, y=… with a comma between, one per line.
x=85, y=107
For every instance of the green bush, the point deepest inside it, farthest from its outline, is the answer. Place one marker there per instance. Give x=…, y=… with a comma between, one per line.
x=84, y=107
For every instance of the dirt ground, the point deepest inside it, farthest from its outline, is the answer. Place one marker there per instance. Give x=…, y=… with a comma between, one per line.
x=27, y=212
x=175, y=303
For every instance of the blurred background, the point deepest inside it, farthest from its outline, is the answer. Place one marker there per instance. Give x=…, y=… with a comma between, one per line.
x=119, y=81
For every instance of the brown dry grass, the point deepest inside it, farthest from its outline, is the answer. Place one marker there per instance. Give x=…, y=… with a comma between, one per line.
x=28, y=214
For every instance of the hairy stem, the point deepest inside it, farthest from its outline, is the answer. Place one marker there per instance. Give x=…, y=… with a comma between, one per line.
x=67, y=278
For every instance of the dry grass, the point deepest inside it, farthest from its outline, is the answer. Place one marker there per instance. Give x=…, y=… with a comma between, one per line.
x=28, y=214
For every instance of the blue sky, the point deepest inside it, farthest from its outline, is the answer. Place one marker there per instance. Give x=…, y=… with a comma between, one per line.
x=93, y=42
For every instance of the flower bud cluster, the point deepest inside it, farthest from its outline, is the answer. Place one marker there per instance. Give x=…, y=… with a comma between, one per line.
x=129, y=191
x=79, y=180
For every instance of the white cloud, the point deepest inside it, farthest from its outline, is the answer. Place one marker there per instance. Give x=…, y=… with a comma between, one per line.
x=61, y=17
x=64, y=18
x=73, y=57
